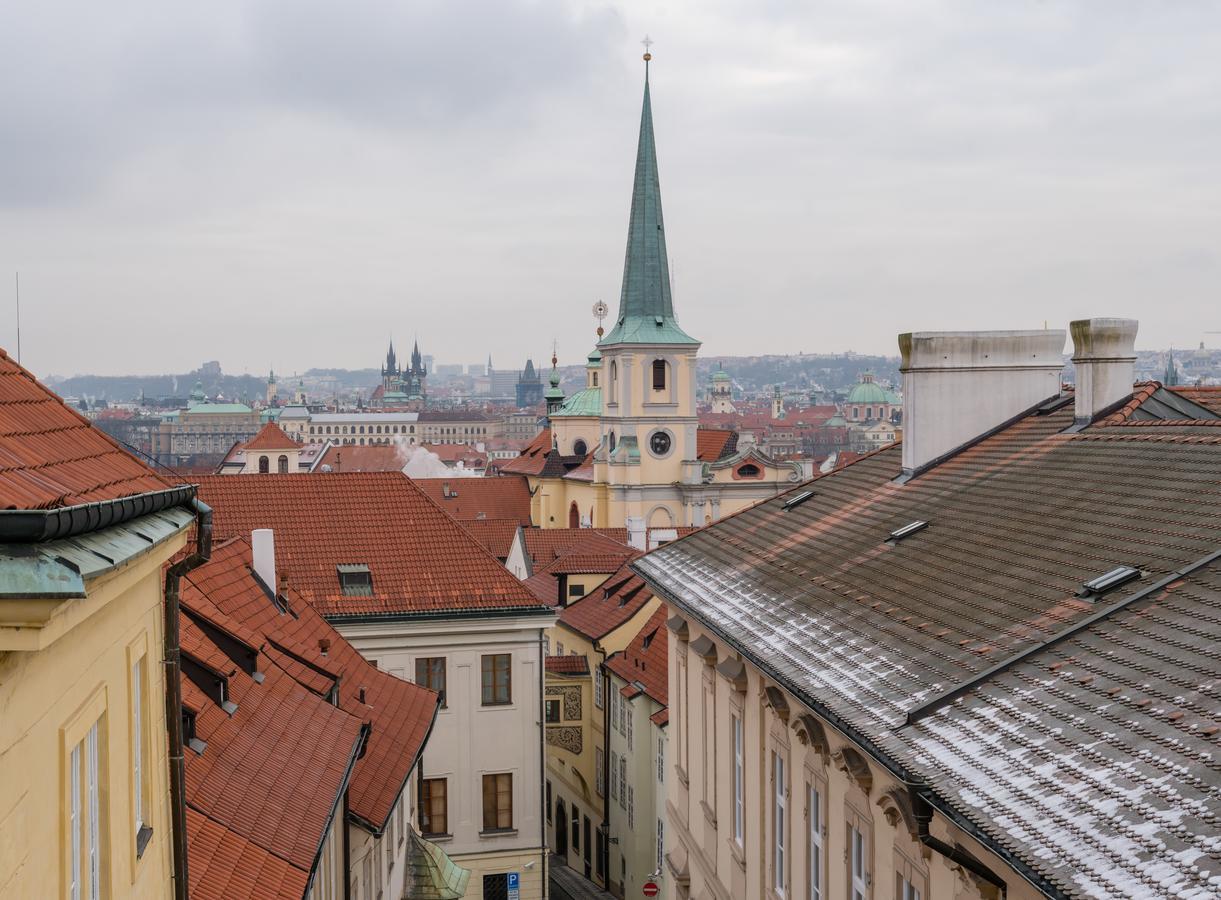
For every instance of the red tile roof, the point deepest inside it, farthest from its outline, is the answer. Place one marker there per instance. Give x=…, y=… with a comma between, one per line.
x=495, y=534
x=271, y=437
x=711, y=442
x=595, y=554
x=223, y=865
x=608, y=606
x=545, y=545
x=466, y=499
x=532, y=459
x=545, y=587
x=644, y=660
x=421, y=560
x=273, y=772
x=224, y=592
x=567, y=665
x=51, y=456
x=357, y=458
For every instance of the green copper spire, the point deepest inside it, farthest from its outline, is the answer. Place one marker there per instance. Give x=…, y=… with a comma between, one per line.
x=646, y=309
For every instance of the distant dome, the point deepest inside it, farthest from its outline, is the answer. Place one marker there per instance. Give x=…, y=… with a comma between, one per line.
x=869, y=391
x=197, y=393
x=721, y=375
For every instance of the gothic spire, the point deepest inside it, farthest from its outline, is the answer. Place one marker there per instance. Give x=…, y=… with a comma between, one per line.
x=646, y=309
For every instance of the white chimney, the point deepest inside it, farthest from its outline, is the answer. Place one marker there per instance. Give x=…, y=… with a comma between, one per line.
x=1104, y=354
x=636, y=533
x=959, y=385
x=263, y=547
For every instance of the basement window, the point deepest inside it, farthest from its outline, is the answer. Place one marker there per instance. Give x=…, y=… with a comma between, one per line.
x=1118, y=576
x=355, y=580
x=908, y=530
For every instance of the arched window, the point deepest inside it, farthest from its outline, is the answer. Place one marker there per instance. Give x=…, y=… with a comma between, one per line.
x=264, y=465
x=868, y=412
x=750, y=470
x=579, y=448
x=614, y=382
x=282, y=464
x=413, y=429
x=595, y=379
x=659, y=374
x=612, y=442
x=856, y=412
x=574, y=515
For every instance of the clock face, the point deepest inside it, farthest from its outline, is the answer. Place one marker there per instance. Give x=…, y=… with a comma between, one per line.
x=659, y=443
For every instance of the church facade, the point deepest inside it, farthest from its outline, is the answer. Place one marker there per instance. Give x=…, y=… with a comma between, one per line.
x=401, y=387
x=627, y=449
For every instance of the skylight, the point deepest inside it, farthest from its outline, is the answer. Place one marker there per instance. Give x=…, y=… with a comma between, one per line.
x=355, y=580
x=797, y=499
x=907, y=530
x=1118, y=576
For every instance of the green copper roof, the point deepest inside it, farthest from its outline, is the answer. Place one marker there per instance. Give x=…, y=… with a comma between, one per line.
x=871, y=392
x=646, y=309
x=595, y=359
x=208, y=407
x=587, y=402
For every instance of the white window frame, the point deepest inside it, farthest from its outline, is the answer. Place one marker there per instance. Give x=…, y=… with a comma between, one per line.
x=908, y=891
x=598, y=688
x=739, y=822
x=614, y=775
x=631, y=807
x=629, y=711
x=623, y=782
x=858, y=867
x=661, y=759
x=779, y=812
x=816, y=848
x=615, y=712
x=599, y=783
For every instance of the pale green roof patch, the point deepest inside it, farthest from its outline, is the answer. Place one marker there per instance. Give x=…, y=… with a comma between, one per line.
x=587, y=402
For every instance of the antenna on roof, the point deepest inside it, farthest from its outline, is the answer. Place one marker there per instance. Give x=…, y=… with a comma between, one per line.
x=17, y=281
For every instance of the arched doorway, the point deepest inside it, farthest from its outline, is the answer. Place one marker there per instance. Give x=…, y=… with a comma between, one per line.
x=574, y=515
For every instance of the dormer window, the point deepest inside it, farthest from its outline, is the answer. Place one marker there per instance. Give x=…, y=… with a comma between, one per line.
x=355, y=580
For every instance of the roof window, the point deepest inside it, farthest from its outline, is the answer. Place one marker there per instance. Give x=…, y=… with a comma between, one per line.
x=907, y=530
x=797, y=499
x=1118, y=576
x=355, y=580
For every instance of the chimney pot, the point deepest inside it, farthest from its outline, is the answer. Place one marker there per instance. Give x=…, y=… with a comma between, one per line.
x=959, y=385
x=1104, y=354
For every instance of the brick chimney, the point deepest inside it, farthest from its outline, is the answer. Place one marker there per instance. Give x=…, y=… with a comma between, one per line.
x=1104, y=354
x=959, y=385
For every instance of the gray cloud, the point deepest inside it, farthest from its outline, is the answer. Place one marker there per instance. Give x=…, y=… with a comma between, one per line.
x=284, y=183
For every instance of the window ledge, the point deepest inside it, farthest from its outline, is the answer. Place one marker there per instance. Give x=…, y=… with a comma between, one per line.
x=682, y=776
x=735, y=852
x=142, y=838
x=709, y=814
x=439, y=838
x=498, y=832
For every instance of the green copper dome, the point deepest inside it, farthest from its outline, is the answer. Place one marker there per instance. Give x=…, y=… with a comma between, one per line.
x=646, y=309
x=869, y=391
x=587, y=402
x=721, y=375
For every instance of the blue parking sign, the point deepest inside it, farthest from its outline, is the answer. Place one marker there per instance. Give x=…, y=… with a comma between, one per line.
x=514, y=886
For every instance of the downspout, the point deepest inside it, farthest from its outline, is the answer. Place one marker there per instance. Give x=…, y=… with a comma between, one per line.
x=604, y=859
x=923, y=812
x=173, y=690
x=542, y=762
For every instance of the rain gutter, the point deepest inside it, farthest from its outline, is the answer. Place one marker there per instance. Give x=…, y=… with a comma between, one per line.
x=38, y=525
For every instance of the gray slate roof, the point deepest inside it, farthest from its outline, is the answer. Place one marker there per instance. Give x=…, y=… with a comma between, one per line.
x=865, y=631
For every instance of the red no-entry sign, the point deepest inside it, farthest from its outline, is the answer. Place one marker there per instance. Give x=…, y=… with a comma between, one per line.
x=650, y=889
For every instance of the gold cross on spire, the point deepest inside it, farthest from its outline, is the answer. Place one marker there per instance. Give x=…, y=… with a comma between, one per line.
x=647, y=42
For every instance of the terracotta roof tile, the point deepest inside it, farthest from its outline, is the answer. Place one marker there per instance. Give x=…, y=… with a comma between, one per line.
x=532, y=459
x=421, y=560
x=567, y=665
x=468, y=499
x=274, y=770
x=608, y=606
x=711, y=443
x=644, y=660
x=224, y=865
x=360, y=458
x=271, y=437
x=399, y=712
x=593, y=554
x=51, y=456
x=495, y=534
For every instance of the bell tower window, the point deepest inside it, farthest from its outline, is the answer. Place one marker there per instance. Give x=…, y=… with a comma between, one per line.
x=659, y=374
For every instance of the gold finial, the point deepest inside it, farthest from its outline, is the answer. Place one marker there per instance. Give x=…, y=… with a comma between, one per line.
x=647, y=42
x=554, y=353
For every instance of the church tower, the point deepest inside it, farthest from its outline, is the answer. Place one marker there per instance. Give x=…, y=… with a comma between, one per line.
x=648, y=441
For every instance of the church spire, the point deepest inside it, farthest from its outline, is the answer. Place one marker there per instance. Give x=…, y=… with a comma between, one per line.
x=646, y=309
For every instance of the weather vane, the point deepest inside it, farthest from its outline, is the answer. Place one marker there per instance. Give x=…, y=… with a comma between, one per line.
x=647, y=42
x=600, y=313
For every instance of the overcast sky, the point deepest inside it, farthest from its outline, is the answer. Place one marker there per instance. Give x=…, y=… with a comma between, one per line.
x=289, y=182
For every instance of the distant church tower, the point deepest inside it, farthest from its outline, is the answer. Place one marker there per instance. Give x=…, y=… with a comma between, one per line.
x=271, y=388
x=390, y=371
x=722, y=393
x=777, y=402
x=648, y=440
x=414, y=380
